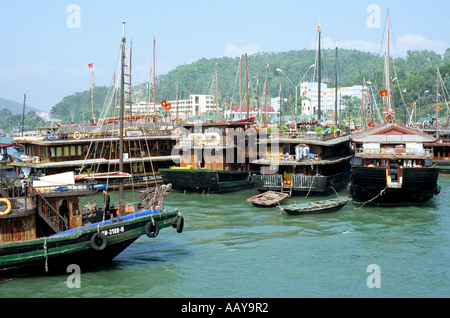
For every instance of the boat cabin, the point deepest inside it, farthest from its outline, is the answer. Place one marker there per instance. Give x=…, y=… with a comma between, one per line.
x=218, y=146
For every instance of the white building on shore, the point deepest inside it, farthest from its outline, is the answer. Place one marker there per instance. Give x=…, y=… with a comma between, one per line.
x=197, y=104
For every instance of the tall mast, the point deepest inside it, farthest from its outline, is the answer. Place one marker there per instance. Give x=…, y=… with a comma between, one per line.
x=437, y=101
x=130, y=93
x=122, y=96
x=265, y=98
x=336, y=89
x=154, y=71
x=362, y=103
x=176, y=120
x=23, y=110
x=240, y=84
x=216, y=108
x=92, y=96
x=388, y=71
x=318, y=78
x=246, y=84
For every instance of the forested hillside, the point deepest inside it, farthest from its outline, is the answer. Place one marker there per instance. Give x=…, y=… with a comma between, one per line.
x=416, y=73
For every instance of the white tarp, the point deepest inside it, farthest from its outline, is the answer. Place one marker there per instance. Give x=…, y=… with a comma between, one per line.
x=55, y=180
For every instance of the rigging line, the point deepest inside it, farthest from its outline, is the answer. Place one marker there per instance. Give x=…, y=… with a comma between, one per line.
x=399, y=88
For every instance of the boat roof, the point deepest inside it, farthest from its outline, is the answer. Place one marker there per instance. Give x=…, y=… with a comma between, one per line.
x=73, y=163
x=391, y=133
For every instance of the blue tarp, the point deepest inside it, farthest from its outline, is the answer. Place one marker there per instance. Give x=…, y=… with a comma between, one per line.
x=123, y=218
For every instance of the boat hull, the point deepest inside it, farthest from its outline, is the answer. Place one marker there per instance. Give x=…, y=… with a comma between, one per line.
x=301, y=184
x=50, y=255
x=206, y=180
x=370, y=184
x=267, y=199
x=325, y=206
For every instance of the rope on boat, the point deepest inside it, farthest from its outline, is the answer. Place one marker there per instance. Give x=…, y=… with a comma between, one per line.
x=46, y=254
x=310, y=186
x=363, y=203
x=334, y=190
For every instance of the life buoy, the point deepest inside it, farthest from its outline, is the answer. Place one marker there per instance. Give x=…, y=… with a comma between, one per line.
x=99, y=241
x=8, y=206
x=152, y=229
x=335, y=134
x=177, y=132
x=77, y=135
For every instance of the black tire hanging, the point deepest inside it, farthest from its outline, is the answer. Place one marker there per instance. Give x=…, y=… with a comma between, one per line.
x=99, y=241
x=180, y=224
x=152, y=230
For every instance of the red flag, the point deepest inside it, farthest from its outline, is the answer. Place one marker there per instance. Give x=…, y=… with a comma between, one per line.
x=371, y=124
x=91, y=65
x=166, y=105
x=438, y=107
x=383, y=93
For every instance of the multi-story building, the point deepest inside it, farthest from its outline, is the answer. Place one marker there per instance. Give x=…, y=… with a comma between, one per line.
x=197, y=104
x=328, y=100
x=311, y=91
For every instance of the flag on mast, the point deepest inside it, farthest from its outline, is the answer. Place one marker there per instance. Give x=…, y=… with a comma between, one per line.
x=91, y=65
x=167, y=106
x=383, y=93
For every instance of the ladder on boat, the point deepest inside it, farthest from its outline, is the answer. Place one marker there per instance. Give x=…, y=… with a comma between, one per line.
x=46, y=211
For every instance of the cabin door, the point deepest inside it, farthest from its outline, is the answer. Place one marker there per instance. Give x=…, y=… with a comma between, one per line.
x=287, y=179
x=75, y=219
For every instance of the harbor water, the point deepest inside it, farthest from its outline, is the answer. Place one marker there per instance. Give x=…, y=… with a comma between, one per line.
x=231, y=249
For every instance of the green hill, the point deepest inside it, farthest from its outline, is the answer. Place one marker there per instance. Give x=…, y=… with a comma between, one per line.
x=416, y=73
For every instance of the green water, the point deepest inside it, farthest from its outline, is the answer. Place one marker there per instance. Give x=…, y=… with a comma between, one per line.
x=231, y=249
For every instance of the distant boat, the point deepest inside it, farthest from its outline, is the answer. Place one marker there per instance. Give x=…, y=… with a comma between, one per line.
x=313, y=207
x=267, y=199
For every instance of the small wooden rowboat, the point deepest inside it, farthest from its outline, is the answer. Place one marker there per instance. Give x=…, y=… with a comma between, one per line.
x=268, y=199
x=323, y=206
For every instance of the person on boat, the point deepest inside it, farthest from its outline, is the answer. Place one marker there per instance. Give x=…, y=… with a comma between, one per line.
x=107, y=202
x=64, y=209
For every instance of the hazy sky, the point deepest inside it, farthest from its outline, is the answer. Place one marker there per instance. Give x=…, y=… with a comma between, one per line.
x=46, y=45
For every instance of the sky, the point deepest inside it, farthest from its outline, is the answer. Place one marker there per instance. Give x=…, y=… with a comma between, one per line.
x=46, y=45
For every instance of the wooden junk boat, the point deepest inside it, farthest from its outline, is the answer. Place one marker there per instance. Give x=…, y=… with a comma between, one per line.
x=393, y=163
x=37, y=237
x=267, y=199
x=213, y=157
x=313, y=207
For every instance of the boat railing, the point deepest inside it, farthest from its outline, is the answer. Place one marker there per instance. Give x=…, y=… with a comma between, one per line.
x=397, y=152
x=311, y=135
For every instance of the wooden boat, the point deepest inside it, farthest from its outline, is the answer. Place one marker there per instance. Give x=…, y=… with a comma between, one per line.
x=214, y=159
x=40, y=236
x=322, y=206
x=267, y=199
x=393, y=164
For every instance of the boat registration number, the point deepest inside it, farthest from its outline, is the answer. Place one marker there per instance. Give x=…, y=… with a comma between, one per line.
x=114, y=231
